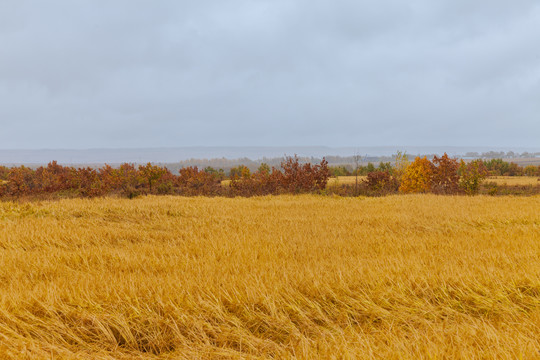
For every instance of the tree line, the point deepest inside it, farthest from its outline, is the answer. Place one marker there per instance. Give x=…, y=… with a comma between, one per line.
x=440, y=175
x=130, y=180
x=494, y=167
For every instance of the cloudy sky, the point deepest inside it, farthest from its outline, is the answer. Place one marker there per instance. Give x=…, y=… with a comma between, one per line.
x=140, y=73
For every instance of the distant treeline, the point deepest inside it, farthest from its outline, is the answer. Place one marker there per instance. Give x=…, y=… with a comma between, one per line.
x=345, y=162
x=502, y=154
x=441, y=175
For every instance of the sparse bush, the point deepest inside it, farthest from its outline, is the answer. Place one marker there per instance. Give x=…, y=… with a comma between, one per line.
x=491, y=188
x=532, y=170
x=401, y=163
x=240, y=172
x=165, y=188
x=381, y=183
x=339, y=171
x=471, y=176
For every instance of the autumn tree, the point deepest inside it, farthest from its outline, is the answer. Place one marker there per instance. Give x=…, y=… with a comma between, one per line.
x=193, y=181
x=151, y=174
x=89, y=182
x=401, y=163
x=303, y=177
x=381, y=182
x=502, y=168
x=471, y=176
x=385, y=167
x=4, y=171
x=262, y=182
x=417, y=177
x=53, y=177
x=126, y=179
x=268, y=180
x=240, y=172
x=514, y=170
x=445, y=178
x=20, y=181
x=264, y=168
x=218, y=173
x=531, y=170
x=109, y=178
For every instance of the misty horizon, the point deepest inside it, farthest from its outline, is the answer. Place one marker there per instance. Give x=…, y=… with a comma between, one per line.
x=174, y=155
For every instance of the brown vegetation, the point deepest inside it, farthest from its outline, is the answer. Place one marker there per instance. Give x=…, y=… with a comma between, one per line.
x=441, y=175
x=126, y=180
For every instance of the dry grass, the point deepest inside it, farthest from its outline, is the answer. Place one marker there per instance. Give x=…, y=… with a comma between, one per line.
x=307, y=277
x=345, y=180
x=514, y=180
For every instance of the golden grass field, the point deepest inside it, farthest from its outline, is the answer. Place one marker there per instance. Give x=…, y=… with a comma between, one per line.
x=514, y=180
x=345, y=180
x=284, y=277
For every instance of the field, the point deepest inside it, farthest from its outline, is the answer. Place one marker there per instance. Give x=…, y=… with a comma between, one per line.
x=345, y=180
x=514, y=180
x=306, y=277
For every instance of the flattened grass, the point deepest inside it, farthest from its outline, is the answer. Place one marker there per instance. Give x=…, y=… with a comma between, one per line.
x=304, y=277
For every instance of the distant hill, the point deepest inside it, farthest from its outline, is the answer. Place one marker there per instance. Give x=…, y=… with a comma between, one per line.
x=172, y=155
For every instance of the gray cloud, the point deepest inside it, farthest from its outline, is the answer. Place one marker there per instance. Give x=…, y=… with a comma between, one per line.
x=95, y=73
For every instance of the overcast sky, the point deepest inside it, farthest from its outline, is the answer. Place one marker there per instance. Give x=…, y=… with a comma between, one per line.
x=141, y=73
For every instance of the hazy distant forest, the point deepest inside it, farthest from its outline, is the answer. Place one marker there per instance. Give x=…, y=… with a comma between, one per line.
x=289, y=175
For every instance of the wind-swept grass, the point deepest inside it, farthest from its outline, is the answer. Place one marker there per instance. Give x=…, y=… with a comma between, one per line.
x=281, y=277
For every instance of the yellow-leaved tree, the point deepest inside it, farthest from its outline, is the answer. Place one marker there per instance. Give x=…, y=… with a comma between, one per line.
x=417, y=177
